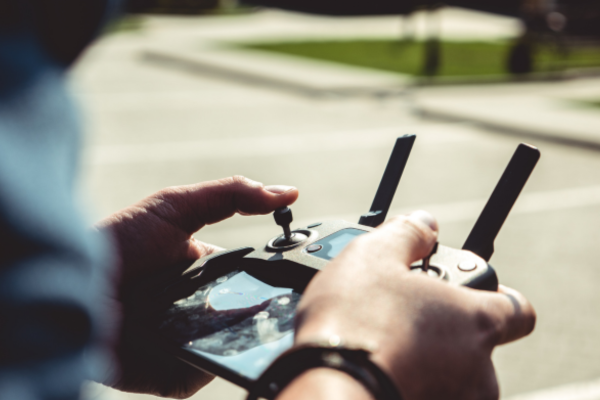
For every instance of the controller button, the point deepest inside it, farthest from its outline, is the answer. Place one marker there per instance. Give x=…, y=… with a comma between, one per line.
x=467, y=265
x=313, y=248
x=314, y=225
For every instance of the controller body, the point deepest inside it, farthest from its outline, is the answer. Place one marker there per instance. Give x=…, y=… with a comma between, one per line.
x=242, y=337
x=302, y=260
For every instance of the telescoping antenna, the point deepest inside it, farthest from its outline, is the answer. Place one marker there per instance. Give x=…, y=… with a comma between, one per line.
x=482, y=236
x=389, y=182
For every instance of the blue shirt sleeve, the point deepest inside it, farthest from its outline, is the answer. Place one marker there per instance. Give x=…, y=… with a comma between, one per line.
x=54, y=271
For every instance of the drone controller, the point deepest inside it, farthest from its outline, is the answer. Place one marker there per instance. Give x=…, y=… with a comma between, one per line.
x=292, y=259
x=243, y=287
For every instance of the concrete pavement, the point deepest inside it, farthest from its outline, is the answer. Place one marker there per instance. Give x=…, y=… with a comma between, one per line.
x=543, y=109
x=151, y=127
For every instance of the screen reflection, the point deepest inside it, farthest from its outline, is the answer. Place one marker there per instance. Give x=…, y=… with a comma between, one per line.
x=236, y=320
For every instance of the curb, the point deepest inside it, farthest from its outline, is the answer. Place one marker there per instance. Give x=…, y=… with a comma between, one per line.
x=565, y=138
x=306, y=78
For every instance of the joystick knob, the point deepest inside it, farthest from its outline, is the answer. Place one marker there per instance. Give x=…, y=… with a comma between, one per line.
x=283, y=217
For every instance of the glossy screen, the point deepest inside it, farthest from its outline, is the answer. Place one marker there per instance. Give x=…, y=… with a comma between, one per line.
x=236, y=321
x=333, y=244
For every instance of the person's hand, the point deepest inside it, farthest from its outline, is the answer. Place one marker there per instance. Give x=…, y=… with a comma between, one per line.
x=155, y=236
x=434, y=340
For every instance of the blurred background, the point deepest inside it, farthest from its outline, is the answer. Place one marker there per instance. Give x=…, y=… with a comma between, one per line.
x=203, y=89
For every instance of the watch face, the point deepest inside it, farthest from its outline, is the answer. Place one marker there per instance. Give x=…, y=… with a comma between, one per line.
x=236, y=321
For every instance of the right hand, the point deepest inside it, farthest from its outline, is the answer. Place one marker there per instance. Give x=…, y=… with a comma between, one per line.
x=433, y=339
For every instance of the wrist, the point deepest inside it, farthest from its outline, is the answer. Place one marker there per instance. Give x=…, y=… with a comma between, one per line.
x=354, y=361
x=324, y=383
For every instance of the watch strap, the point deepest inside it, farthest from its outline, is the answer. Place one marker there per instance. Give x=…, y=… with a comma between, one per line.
x=355, y=362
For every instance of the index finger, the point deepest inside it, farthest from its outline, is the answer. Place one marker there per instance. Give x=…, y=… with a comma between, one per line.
x=210, y=202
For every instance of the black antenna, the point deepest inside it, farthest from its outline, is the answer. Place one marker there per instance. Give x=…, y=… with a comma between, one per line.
x=482, y=236
x=389, y=182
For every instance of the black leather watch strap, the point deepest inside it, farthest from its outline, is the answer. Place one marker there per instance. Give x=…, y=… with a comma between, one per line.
x=354, y=361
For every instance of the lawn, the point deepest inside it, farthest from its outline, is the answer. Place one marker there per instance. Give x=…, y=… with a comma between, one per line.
x=125, y=24
x=458, y=59
x=595, y=103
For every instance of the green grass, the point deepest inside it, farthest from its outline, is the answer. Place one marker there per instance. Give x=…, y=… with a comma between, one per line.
x=594, y=103
x=458, y=59
x=125, y=24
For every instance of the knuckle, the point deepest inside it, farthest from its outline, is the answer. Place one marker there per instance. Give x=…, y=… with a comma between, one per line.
x=230, y=180
x=413, y=239
x=166, y=192
x=239, y=181
x=489, y=327
x=408, y=226
x=168, y=198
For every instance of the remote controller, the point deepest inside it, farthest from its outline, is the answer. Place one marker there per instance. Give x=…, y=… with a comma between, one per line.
x=292, y=259
x=229, y=313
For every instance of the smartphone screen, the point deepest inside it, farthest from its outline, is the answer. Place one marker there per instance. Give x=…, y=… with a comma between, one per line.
x=240, y=322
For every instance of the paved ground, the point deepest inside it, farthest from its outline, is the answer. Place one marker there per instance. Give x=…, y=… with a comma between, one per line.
x=548, y=108
x=151, y=126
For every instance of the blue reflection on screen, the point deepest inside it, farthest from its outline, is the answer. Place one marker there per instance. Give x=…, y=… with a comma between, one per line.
x=236, y=321
x=242, y=291
x=254, y=362
x=334, y=244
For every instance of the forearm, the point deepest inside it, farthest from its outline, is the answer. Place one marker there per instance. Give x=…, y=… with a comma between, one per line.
x=324, y=384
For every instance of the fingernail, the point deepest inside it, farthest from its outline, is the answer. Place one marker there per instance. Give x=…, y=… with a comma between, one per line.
x=279, y=189
x=425, y=218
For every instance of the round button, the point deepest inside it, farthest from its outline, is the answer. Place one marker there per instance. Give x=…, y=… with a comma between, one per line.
x=314, y=225
x=467, y=265
x=313, y=248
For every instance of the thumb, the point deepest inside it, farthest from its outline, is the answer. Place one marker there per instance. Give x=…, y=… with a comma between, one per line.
x=411, y=237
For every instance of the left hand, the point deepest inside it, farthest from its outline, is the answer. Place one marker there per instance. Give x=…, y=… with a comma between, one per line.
x=154, y=235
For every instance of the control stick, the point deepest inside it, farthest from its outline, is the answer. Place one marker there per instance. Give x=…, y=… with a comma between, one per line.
x=283, y=217
x=425, y=266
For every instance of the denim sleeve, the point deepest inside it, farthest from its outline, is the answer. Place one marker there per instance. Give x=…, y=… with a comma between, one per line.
x=53, y=271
